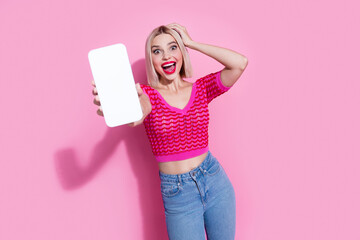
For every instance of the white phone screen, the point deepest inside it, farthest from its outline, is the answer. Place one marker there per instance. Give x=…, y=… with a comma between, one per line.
x=115, y=84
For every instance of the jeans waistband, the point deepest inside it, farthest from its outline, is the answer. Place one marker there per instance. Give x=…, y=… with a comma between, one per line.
x=184, y=177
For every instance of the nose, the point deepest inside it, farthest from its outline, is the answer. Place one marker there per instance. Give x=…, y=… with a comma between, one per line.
x=166, y=55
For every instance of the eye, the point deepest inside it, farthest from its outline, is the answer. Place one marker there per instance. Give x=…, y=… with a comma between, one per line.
x=173, y=47
x=156, y=51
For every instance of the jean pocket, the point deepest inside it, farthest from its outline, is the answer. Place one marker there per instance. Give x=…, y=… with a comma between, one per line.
x=213, y=168
x=170, y=189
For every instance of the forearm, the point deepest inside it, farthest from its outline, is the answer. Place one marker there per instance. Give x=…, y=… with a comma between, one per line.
x=234, y=62
x=230, y=59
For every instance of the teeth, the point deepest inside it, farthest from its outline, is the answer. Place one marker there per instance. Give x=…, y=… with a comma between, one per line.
x=168, y=65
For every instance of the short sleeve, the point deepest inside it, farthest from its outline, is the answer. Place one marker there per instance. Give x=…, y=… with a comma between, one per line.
x=148, y=91
x=144, y=88
x=213, y=85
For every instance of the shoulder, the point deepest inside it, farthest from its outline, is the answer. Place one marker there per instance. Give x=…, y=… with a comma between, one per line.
x=146, y=88
x=215, y=76
x=143, y=86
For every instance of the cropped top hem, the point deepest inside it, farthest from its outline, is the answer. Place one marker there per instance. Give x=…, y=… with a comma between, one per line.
x=182, y=155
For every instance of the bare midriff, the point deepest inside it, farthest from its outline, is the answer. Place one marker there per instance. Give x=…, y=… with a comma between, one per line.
x=183, y=166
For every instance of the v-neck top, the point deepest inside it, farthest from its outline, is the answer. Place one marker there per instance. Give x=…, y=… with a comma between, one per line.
x=177, y=134
x=187, y=106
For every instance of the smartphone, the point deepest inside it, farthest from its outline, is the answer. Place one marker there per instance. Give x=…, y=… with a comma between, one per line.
x=111, y=70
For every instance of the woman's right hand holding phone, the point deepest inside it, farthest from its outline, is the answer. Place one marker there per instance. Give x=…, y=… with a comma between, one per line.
x=143, y=98
x=96, y=99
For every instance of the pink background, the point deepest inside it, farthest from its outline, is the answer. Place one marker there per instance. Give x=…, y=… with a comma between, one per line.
x=287, y=133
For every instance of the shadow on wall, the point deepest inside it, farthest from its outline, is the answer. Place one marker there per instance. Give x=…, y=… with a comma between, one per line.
x=72, y=176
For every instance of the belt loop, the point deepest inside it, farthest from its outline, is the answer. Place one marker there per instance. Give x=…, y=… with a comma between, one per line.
x=179, y=178
x=202, y=170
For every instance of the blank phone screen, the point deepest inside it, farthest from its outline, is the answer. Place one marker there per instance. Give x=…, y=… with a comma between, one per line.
x=115, y=84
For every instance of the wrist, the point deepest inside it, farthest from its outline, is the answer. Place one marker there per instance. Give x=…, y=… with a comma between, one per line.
x=191, y=44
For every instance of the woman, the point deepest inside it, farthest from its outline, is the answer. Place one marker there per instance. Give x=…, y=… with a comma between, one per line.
x=197, y=194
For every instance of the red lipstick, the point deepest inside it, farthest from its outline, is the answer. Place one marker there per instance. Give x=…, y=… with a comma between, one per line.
x=169, y=67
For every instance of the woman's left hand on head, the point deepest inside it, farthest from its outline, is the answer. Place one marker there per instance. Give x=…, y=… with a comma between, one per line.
x=181, y=30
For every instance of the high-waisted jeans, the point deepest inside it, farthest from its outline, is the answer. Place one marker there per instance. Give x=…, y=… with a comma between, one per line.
x=199, y=202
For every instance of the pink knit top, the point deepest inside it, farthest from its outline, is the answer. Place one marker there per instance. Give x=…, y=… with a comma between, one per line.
x=177, y=134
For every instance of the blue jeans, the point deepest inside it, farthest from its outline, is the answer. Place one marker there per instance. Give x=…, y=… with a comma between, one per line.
x=199, y=202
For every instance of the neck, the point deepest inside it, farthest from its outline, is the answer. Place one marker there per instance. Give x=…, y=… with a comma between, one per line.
x=172, y=85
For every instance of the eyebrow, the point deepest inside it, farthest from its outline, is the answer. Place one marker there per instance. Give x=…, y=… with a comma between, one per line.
x=167, y=44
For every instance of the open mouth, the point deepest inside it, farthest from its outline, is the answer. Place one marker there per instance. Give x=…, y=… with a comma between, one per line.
x=169, y=67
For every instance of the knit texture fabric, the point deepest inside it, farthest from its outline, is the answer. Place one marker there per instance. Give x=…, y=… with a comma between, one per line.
x=177, y=134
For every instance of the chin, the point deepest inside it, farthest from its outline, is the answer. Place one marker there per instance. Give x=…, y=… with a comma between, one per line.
x=171, y=77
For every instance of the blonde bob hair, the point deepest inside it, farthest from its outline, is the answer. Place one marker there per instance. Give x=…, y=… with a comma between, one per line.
x=152, y=75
